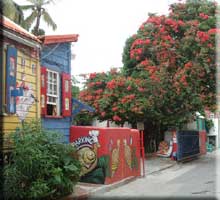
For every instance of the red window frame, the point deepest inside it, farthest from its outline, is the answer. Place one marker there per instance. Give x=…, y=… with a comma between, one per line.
x=66, y=95
x=43, y=91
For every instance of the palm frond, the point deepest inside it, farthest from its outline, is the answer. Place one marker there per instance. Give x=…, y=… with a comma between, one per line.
x=47, y=18
x=8, y=8
x=11, y=10
x=49, y=2
x=30, y=19
x=18, y=14
x=27, y=7
x=34, y=2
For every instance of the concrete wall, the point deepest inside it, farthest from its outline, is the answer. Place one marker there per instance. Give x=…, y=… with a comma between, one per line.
x=214, y=132
x=98, y=123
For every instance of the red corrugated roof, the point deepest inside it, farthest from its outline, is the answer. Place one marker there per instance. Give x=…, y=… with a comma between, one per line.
x=51, y=39
x=7, y=23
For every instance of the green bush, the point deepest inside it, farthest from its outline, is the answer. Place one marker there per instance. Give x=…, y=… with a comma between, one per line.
x=84, y=118
x=40, y=166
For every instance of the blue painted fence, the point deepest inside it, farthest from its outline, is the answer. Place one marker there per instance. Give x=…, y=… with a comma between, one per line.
x=188, y=144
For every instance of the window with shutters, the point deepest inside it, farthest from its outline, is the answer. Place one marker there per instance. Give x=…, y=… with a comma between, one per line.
x=53, y=100
x=55, y=93
x=2, y=80
x=8, y=79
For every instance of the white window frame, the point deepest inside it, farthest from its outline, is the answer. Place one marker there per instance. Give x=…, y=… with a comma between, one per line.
x=57, y=95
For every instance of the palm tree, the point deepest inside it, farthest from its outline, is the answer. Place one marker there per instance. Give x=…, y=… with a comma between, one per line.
x=38, y=11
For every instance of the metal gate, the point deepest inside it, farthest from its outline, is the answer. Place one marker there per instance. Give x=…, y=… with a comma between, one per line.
x=188, y=144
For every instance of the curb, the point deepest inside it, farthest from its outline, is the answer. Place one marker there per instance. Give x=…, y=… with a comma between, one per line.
x=167, y=167
x=99, y=190
x=109, y=187
x=106, y=188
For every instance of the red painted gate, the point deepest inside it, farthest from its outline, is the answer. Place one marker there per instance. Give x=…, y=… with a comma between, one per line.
x=202, y=142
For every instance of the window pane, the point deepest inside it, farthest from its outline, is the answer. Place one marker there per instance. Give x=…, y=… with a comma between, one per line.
x=66, y=86
x=55, y=89
x=52, y=92
x=42, y=80
x=48, y=77
x=55, y=76
x=12, y=66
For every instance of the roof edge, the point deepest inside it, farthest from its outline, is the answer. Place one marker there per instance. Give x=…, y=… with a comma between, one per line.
x=51, y=39
x=9, y=24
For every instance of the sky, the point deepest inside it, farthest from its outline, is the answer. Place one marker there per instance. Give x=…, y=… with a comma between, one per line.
x=103, y=27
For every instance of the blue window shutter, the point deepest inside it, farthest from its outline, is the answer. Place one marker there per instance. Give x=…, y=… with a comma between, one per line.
x=1, y=79
x=11, y=71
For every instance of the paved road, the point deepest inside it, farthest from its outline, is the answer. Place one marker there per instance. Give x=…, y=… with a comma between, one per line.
x=198, y=179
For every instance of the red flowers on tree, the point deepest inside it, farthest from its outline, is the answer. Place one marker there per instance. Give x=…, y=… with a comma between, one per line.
x=168, y=73
x=180, y=59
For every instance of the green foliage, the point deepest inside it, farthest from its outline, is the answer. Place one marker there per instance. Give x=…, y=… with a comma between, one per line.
x=75, y=91
x=40, y=166
x=208, y=124
x=129, y=63
x=134, y=160
x=39, y=32
x=75, y=88
x=38, y=12
x=168, y=73
x=174, y=56
x=84, y=118
x=104, y=162
x=13, y=11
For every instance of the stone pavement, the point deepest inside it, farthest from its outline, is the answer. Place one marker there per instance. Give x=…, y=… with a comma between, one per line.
x=152, y=164
x=155, y=164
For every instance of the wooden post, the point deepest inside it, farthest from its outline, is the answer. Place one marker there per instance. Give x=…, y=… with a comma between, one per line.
x=142, y=151
x=140, y=127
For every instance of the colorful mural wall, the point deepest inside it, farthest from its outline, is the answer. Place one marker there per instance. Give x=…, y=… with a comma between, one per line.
x=19, y=74
x=107, y=154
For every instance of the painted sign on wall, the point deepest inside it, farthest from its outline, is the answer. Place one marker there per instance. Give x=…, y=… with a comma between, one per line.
x=24, y=103
x=94, y=168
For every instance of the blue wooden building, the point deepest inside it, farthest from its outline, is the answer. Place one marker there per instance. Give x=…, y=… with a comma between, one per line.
x=56, y=99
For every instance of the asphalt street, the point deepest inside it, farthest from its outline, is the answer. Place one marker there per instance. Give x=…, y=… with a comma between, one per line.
x=196, y=179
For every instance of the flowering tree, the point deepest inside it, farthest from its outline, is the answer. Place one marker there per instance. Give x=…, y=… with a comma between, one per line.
x=177, y=53
x=114, y=96
x=169, y=70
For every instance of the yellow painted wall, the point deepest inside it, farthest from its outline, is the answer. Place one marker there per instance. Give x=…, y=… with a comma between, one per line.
x=9, y=123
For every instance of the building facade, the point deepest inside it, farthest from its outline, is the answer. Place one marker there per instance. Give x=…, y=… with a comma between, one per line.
x=56, y=97
x=19, y=74
x=213, y=135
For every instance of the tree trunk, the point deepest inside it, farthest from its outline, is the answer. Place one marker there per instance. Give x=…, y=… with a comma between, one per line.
x=150, y=135
x=36, y=28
